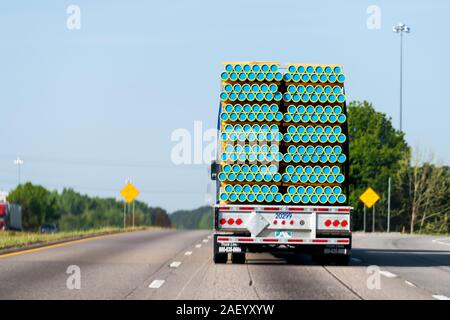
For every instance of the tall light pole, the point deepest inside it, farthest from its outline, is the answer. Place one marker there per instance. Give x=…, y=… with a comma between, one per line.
x=18, y=162
x=401, y=28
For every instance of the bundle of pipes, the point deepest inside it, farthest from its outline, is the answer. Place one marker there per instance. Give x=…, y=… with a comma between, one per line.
x=273, y=118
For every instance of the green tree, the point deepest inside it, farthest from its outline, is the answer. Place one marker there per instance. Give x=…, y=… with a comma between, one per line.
x=430, y=195
x=71, y=210
x=38, y=205
x=377, y=151
x=200, y=218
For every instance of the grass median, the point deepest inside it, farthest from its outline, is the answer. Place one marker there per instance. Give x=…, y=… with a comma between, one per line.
x=18, y=239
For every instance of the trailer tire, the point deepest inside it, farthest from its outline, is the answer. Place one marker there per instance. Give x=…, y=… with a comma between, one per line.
x=238, y=258
x=319, y=258
x=342, y=260
x=220, y=258
x=328, y=259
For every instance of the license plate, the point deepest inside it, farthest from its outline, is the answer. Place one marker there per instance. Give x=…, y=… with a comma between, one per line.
x=230, y=247
x=283, y=234
x=334, y=251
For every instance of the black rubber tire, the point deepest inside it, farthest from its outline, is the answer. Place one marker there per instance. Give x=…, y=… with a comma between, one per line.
x=342, y=260
x=319, y=258
x=220, y=258
x=238, y=258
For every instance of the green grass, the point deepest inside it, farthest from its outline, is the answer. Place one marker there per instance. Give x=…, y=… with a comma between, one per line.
x=15, y=239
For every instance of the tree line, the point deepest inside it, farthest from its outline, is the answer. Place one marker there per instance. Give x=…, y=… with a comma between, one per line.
x=420, y=187
x=70, y=210
x=200, y=218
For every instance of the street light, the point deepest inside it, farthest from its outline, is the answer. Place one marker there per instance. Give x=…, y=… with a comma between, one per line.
x=18, y=162
x=401, y=28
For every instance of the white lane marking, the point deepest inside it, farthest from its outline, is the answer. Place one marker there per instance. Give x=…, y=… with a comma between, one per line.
x=209, y=237
x=440, y=297
x=205, y=240
x=156, y=284
x=409, y=283
x=388, y=274
x=440, y=241
x=188, y=253
x=356, y=259
x=198, y=245
x=175, y=264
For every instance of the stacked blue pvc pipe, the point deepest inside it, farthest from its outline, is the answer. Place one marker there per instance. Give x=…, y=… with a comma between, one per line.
x=283, y=134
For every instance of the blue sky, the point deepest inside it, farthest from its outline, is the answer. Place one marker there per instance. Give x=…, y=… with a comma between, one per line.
x=90, y=108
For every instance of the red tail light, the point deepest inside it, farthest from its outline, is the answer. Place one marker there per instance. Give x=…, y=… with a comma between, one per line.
x=328, y=223
x=344, y=223
x=239, y=221
x=230, y=221
x=2, y=210
x=336, y=223
x=275, y=222
x=223, y=221
x=292, y=222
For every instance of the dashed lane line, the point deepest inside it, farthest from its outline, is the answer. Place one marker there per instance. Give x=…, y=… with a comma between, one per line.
x=175, y=264
x=388, y=274
x=198, y=246
x=156, y=284
x=409, y=283
x=188, y=253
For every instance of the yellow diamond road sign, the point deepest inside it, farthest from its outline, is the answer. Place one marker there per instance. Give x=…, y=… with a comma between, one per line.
x=129, y=192
x=369, y=197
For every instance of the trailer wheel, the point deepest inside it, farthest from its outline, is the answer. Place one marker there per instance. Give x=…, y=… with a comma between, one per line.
x=219, y=257
x=327, y=259
x=342, y=260
x=238, y=258
x=320, y=258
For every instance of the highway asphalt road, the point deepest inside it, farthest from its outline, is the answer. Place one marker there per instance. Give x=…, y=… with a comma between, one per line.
x=170, y=264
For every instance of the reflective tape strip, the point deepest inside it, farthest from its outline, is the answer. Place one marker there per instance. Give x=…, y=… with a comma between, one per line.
x=283, y=240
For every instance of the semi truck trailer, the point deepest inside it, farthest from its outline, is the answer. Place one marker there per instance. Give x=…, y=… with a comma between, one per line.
x=282, y=163
x=10, y=216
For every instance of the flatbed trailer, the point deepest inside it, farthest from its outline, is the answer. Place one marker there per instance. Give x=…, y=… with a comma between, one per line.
x=286, y=119
x=323, y=231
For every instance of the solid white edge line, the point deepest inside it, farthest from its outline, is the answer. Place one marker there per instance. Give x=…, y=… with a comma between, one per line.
x=156, y=284
x=388, y=274
x=188, y=253
x=440, y=241
x=409, y=283
x=175, y=264
x=440, y=297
